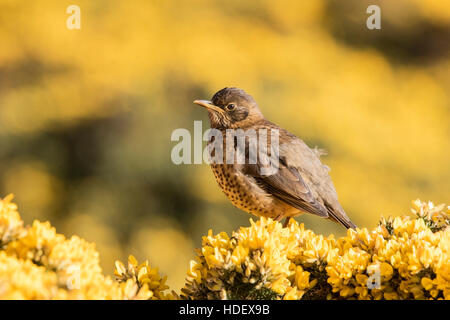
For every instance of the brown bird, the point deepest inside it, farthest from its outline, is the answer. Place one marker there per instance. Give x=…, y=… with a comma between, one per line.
x=300, y=185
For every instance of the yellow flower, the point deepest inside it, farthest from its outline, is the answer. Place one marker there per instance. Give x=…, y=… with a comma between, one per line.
x=38, y=263
x=347, y=291
x=404, y=257
x=427, y=283
x=11, y=226
x=386, y=270
x=140, y=281
x=391, y=295
x=362, y=279
x=301, y=278
x=293, y=294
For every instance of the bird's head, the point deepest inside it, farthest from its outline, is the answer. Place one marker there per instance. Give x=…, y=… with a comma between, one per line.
x=231, y=108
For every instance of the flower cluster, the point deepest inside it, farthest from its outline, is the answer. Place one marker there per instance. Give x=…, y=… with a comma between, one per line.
x=142, y=279
x=402, y=258
x=11, y=226
x=38, y=263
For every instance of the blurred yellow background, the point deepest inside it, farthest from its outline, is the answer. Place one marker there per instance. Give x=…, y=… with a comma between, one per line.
x=86, y=115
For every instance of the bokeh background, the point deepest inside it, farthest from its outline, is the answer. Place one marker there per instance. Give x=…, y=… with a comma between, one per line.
x=86, y=115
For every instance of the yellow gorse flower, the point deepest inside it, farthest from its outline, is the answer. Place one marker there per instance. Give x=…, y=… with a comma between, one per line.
x=38, y=263
x=402, y=258
x=11, y=226
x=140, y=280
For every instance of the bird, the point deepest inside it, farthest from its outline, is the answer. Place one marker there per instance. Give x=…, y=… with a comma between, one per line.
x=301, y=183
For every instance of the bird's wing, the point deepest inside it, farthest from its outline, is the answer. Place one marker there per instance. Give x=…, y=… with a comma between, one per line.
x=338, y=215
x=288, y=185
x=307, y=164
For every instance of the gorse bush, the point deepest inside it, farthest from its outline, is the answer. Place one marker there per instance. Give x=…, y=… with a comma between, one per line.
x=402, y=258
x=38, y=263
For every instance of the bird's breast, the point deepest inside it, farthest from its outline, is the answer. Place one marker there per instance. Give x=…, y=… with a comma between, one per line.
x=244, y=193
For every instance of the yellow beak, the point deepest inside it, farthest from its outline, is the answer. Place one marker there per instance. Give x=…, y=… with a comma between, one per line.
x=208, y=105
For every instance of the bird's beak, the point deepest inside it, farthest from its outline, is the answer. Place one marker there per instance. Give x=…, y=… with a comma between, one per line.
x=208, y=105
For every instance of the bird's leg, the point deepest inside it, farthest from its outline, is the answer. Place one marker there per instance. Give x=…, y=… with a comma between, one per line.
x=280, y=217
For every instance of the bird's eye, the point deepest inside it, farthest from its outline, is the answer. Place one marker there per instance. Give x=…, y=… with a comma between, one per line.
x=231, y=107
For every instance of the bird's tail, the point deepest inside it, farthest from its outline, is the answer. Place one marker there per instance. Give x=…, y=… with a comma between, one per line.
x=338, y=215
